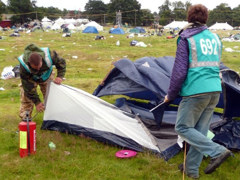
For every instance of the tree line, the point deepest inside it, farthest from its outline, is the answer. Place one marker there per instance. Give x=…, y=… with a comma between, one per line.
x=131, y=12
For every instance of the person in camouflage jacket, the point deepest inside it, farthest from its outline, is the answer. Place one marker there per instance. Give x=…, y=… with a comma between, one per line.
x=36, y=68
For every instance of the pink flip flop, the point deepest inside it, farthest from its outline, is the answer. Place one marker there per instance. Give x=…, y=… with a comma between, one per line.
x=125, y=154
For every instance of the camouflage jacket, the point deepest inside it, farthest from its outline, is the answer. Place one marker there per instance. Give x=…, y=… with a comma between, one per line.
x=27, y=78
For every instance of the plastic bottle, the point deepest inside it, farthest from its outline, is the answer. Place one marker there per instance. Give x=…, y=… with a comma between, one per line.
x=51, y=145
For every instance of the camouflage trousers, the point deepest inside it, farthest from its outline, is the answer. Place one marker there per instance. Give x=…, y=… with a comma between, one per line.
x=26, y=103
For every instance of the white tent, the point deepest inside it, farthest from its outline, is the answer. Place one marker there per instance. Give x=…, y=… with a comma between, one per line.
x=70, y=21
x=56, y=26
x=45, y=19
x=72, y=110
x=60, y=20
x=71, y=26
x=176, y=24
x=92, y=23
x=82, y=21
x=221, y=26
x=46, y=23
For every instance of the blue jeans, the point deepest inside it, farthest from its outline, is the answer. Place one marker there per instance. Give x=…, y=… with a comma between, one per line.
x=193, y=121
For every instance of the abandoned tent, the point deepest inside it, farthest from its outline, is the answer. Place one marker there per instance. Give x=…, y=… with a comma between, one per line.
x=82, y=113
x=132, y=125
x=90, y=29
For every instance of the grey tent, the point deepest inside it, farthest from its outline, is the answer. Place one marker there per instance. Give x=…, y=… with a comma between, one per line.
x=78, y=112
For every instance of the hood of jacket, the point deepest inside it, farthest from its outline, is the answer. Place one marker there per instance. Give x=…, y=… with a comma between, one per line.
x=32, y=48
x=192, y=29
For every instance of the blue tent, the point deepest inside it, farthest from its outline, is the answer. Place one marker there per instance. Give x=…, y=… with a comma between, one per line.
x=90, y=29
x=148, y=78
x=137, y=30
x=141, y=30
x=117, y=31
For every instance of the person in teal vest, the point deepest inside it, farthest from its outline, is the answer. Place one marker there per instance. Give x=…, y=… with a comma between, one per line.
x=36, y=69
x=197, y=80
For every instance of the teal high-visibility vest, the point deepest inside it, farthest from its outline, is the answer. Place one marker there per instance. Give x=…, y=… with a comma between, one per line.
x=205, y=51
x=48, y=60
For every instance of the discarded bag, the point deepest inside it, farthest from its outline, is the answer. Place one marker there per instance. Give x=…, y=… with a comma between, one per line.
x=7, y=73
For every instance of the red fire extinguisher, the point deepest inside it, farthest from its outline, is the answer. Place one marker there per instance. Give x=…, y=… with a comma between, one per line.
x=27, y=137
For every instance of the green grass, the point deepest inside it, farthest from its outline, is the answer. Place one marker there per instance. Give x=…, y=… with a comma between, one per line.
x=78, y=157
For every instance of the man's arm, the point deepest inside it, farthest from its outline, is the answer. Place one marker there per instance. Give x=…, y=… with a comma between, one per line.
x=60, y=64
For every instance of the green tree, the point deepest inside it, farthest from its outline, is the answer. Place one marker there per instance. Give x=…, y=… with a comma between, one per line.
x=23, y=10
x=147, y=17
x=221, y=14
x=51, y=12
x=165, y=13
x=130, y=9
x=179, y=11
x=236, y=16
x=2, y=8
x=96, y=10
x=187, y=5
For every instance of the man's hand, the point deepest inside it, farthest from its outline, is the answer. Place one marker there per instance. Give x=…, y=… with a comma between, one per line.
x=58, y=80
x=40, y=107
x=166, y=99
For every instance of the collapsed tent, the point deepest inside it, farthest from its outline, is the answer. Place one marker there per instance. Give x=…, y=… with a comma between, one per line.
x=134, y=126
x=78, y=112
x=148, y=78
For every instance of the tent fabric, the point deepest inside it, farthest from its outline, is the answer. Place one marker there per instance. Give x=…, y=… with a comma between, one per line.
x=231, y=92
x=94, y=24
x=141, y=109
x=74, y=113
x=130, y=124
x=117, y=31
x=70, y=21
x=71, y=26
x=228, y=134
x=60, y=21
x=90, y=29
x=147, y=78
x=142, y=30
x=236, y=36
x=137, y=30
x=45, y=19
x=176, y=25
x=165, y=134
x=56, y=26
x=47, y=25
x=221, y=26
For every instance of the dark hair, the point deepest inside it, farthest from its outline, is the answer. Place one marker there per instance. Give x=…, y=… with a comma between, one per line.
x=35, y=59
x=197, y=13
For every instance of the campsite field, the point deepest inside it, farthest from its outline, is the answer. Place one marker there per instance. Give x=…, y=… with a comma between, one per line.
x=88, y=62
